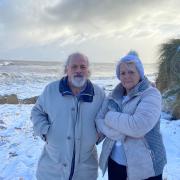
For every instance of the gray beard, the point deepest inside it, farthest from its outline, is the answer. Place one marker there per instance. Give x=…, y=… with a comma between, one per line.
x=78, y=81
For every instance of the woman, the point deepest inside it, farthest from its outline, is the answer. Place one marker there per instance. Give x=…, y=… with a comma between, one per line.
x=130, y=119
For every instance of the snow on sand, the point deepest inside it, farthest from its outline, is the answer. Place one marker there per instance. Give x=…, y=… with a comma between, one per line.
x=20, y=150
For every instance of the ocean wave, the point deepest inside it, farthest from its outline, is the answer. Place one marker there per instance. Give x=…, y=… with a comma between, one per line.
x=6, y=63
x=22, y=77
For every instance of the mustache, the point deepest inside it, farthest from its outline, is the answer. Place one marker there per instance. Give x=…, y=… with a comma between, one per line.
x=78, y=76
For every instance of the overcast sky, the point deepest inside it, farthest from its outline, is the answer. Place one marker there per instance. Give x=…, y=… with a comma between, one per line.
x=102, y=29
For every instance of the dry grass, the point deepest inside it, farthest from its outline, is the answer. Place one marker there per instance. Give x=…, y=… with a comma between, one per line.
x=169, y=65
x=168, y=79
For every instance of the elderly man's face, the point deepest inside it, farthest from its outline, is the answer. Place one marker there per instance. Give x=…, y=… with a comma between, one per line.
x=78, y=71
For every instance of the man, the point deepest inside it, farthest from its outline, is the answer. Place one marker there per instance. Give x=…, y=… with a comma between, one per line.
x=64, y=116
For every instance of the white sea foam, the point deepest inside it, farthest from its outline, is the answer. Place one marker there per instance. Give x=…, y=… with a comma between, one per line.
x=5, y=63
x=27, y=79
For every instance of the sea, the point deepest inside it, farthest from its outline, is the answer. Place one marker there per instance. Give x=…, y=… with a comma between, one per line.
x=28, y=78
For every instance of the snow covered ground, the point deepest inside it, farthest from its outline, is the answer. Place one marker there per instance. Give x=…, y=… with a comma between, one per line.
x=20, y=150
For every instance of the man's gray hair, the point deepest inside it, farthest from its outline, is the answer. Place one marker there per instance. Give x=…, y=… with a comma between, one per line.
x=74, y=55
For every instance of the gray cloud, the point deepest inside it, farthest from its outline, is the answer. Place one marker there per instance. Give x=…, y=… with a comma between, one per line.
x=122, y=16
x=29, y=25
x=73, y=11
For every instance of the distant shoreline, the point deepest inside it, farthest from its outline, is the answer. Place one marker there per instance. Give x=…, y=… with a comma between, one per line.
x=46, y=62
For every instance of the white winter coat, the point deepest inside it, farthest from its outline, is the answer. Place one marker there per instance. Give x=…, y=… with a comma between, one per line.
x=66, y=123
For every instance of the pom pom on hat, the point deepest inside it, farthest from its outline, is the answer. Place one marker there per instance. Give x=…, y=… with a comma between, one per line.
x=132, y=56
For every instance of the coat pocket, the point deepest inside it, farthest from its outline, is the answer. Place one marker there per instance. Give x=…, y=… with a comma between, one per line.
x=139, y=159
x=48, y=167
x=53, y=152
x=49, y=132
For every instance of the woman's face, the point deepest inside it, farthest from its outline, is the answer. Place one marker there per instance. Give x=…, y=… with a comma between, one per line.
x=129, y=75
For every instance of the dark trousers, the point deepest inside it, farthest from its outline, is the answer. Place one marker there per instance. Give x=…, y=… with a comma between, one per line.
x=155, y=178
x=118, y=172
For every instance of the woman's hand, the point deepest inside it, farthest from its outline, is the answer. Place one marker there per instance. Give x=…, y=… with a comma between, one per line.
x=110, y=132
x=109, y=118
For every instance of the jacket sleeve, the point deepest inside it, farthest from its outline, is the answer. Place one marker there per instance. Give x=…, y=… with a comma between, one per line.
x=39, y=117
x=103, y=128
x=145, y=117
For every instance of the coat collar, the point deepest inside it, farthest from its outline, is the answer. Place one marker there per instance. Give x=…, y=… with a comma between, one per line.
x=119, y=90
x=86, y=95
